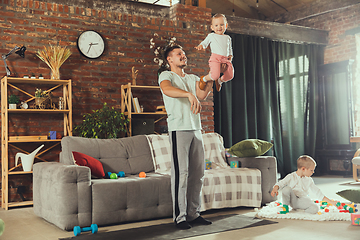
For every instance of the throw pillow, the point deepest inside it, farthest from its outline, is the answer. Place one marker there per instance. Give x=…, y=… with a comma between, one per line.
x=160, y=152
x=214, y=150
x=353, y=195
x=95, y=165
x=250, y=148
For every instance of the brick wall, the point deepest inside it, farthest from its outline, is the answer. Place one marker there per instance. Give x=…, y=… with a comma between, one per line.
x=127, y=29
x=342, y=25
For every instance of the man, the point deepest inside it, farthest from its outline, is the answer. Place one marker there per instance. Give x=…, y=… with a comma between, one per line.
x=181, y=94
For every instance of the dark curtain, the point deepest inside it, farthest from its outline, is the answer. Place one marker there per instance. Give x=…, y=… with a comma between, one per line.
x=242, y=108
x=272, y=97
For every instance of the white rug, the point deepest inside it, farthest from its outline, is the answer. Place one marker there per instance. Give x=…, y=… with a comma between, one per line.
x=333, y=214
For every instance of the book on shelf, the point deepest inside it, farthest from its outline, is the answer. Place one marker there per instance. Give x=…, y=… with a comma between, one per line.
x=137, y=105
x=133, y=105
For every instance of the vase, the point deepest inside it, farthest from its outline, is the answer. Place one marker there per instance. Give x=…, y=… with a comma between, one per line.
x=38, y=100
x=55, y=74
x=12, y=105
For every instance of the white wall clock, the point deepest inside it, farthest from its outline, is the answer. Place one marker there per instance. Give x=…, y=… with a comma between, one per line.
x=91, y=44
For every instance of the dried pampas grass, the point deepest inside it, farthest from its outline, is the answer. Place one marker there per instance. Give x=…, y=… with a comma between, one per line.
x=54, y=57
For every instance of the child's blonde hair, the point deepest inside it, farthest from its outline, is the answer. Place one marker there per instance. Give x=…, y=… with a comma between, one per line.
x=219, y=15
x=305, y=161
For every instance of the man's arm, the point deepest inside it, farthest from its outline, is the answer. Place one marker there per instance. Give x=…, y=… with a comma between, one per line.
x=169, y=90
x=202, y=94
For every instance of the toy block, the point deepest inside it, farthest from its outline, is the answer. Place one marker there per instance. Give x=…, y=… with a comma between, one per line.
x=355, y=219
x=285, y=209
x=207, y=164
x=234, y=164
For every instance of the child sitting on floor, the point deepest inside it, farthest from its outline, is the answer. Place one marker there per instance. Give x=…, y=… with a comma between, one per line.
x=295, y=187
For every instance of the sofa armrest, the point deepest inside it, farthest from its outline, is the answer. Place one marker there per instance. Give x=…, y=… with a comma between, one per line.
x=62, y=194
x=268, y=168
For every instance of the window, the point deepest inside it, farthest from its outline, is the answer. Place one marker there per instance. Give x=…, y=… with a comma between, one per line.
x=293, y=85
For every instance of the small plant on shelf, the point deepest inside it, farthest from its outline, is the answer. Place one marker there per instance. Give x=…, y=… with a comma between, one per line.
x=43, y=100
x=39, y=93
x=13, y=99
x=103, y=123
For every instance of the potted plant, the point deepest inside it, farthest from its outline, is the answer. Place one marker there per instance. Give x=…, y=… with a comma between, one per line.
x=39, y=94
x=13, y=100
x=102, y=123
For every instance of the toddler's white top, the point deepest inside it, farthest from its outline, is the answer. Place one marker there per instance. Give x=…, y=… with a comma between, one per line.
x=219, y=44
x=300, y=185
x=180, y=116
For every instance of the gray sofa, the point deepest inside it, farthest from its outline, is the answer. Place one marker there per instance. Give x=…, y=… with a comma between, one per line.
x=66, y=194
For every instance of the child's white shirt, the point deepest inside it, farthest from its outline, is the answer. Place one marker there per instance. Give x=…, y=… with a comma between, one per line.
x=219, y=44
x=300, y=185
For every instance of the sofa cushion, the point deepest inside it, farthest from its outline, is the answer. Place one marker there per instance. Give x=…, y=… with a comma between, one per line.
x=131, y=155
x=95, y=165
x=131, y=199
x=250, y=148
x=231, y=187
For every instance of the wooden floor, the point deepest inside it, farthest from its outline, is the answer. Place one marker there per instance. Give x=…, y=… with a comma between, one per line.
x=21, y=223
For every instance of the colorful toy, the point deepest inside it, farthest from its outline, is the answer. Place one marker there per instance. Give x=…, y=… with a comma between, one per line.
x=285, y=208
x=234, y=164
x=207, y=164
x=350, y=208
x=355, y=219
x=78, y=230
x=326, y=207
x=115, y=175
x=142, y=175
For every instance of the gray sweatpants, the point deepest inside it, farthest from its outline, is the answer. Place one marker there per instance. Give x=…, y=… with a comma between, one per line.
x=187, y=172
x=305, y=203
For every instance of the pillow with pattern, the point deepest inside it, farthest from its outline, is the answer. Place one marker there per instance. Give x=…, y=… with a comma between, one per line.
x=161, y=151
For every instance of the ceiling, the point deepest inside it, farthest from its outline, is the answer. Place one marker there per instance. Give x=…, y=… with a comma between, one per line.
x=256, y=9
x=270, y=10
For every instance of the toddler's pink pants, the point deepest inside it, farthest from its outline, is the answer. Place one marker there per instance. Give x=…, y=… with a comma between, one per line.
x=215, y=62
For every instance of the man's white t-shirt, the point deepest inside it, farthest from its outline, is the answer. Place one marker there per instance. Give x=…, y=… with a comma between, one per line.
x=219, y=44
x=180, y=116
x=300, y=185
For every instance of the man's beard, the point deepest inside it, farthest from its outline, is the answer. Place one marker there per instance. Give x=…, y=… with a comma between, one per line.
x=183, y=65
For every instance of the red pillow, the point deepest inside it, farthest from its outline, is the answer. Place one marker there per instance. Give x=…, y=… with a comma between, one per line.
x=95, y=165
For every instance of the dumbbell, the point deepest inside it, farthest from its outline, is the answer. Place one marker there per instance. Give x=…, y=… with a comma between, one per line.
x=78, y=230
